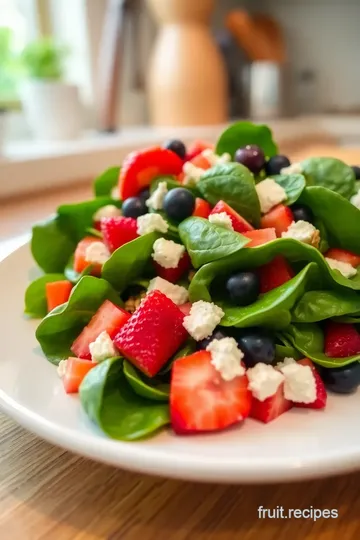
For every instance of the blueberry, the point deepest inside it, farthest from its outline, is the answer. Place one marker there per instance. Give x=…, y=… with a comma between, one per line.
x=243, y=288
x=179, y=203
x=144, y=194
x=176, y=146
x=356, y=170
x=302, y=213
x=343, y=380
x=217, y=334
x=275, y=164
x=252, y=157
x=257, y=346
x=134, y=207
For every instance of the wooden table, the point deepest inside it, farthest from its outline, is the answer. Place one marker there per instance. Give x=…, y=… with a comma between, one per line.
x=48, y=493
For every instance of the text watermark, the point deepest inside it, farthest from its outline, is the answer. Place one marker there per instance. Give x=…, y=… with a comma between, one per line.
x=279, y=512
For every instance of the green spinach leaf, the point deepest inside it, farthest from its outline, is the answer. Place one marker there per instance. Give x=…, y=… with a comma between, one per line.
x=105, y=183
x=144, y=386
x=293, y=184
x=35, y=295
x=330, y=173
x=51, y=246
x=286, y=351
x=244, y=133
x=317, y=306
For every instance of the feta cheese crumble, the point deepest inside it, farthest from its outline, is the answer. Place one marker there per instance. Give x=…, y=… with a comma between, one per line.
x=355, y=199
x=61, y=369
x=115, y=193
x=344, y=268
x=102, y=348
x=285, y=362
x=97, y=253
x=221, y=219
x=299, y=383
x=303, y=231
x=192, y=173
x=202, y=320
x=214, y=159
x=108, y=211
x=294, y=168
x=179, y=295
x=270, y=194
x=264, y=380
x=226, y=358
x=156, y=200
x=167, y=253
x=151, y=222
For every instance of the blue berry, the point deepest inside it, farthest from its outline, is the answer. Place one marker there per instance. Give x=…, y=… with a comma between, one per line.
x=343, y=380
x=243, y=288
x=302, y=213
x=179, y=203
x=257, y=347
x=134, y=207
x=275, y=164
x=217, y=334
x=176, y=146
x=252, y=157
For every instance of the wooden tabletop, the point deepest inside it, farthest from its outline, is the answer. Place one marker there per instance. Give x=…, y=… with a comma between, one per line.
x=48, y=493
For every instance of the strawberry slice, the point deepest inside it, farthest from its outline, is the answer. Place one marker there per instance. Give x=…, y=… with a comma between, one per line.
x=196, y=148
x=118, y=231
x=80, y=262
x=140, y=168
x=174, y=274
x=270, y=408
x=153, y=334
x=200, y=400
x=185, y=308
x=76, y=369
x=259, y=237
x=274, y=273
x=343, y=256
x=202, y=208
x=239, y=224
x=321, y=394
x=109, y=318
x=341, y=340
x=280, y=218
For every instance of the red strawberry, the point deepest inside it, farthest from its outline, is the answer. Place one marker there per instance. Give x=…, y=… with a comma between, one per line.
x=174, y=274
x=239, y=224
x=109, y=318
x=196, y=148
x=75, y=372
x=275, y=273
x=117, y=231
x=260, y=236
x=341, y=340
x=280, y=218
x=153, y=334
x=185, y=308
x=80, y=262
x=270, y=408
x=202, y=208
x=200, y=400
x=140, y=168
x=321, y=394
x=343, y=256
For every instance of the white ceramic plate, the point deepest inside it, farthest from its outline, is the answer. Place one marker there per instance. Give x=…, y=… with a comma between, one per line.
x=300, y=444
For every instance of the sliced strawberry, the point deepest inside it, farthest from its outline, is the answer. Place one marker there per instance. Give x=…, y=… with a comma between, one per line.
x=185, y=308
x=201, y=161
x=280, y=218
x=270, y=408
x=57, y=293
x=75, y=372
x=341, y=340
x=259, y=237
x=200, y=400
x=153, y=334
x=321, y=394
x=140, y=168
x=196, y=148
x=274, y=273
x=109, y=318
x=202, y=208
x=118, y=231
x=239, y=224
x=343, y=256
x=174, y=274
x=80, y=262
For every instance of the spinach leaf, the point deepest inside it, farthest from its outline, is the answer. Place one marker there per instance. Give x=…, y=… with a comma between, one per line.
x=144, y=386
x=234, y=184
x=62, y=325
x=244, y=133
x=51, y=247
x=286, y=351
x=317, y=306
x=172, y=183
x=186, y=350
x=35, y=295
x=128, y=262
x=74, y=276
x=206, y=242
x=111, y=404
x=324, y=240
x=94, y=232
x=105, y=183
x=293, y=184
x=348, y=319
x=330, y=173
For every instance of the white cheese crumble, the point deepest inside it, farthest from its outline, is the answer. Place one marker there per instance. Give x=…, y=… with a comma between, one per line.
x=264, y=381
x=303, y=231
x=294, y=168
x=97, y=253
x=299, y=383
x=151, y=222
x=177, y=294
x=270, y=194
x=226, y=358
x=344, y=268
x=156, y=199
x=102, y=348
x=285, y=362
x=214, y=159
x=167, y=253
x=221, y=219
x=61, y=369
x=202, y=320
x=355, y=199
x=115, y=193
x=192, y=173
x=108, y=211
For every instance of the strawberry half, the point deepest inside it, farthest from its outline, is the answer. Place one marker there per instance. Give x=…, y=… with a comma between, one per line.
x=174, y=274
x=196, y=148
x=80, y=262
x=140, y=168
x=200, y=400
x=118, y=231
x=280, y=218
x=202, y=208
x=343, y=256
x=239, y=224
x=153, y=334
x=275, y=273
x=321, y=394
x=259, y=237
x=341, y=340
x=270, y=408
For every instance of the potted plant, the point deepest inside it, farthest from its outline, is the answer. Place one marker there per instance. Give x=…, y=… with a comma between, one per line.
x=52, y=106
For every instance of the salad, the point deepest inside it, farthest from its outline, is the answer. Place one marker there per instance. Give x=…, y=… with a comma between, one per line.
x=203, y=285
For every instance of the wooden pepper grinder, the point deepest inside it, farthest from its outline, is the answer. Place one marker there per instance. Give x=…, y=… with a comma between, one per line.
x=187, y=82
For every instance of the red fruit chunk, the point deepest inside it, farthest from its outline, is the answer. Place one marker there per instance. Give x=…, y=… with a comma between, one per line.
x=280, y=218
x=270, y=408
x=202, y=208
x=57, y=293
x=76, y=369
x=118, y=231
x=341, y=340
x=321, y=394
x=185, y=308
x=275, y=273
x=153, y=334
x=239, y=224
x=174, y=274
x=196, y=148
x=80, y=262
x=109, y=318
x=140, y=168
x=260, y=236
x=200, y=400
x=343, y=256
